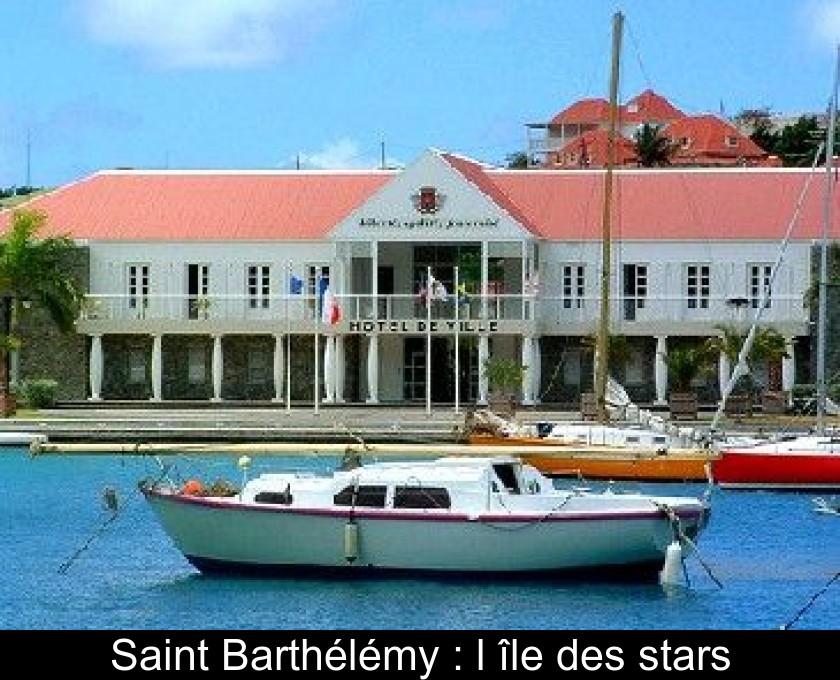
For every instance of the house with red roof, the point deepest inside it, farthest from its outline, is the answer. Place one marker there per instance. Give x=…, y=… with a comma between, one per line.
x=576, y=137
x=302, y=286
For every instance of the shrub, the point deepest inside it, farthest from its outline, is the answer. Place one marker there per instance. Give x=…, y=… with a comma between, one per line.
x=37, y=393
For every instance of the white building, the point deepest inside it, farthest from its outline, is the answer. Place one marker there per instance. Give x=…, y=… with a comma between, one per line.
x=206, y=284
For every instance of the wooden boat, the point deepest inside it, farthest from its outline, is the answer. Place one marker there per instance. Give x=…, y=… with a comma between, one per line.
x=452, y=515
x=595, y=451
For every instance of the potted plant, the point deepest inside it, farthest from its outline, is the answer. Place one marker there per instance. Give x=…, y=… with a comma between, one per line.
x=504, y=380
x=685, y=364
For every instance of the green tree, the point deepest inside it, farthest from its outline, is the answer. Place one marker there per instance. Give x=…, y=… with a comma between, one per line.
x=758, y=124
x=768, y=347
x=652, y=147
x=518, y=161
x=797, y=143
x=33, y=273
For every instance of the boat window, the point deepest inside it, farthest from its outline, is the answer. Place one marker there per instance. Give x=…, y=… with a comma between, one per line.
x=275, y=497
x=372, y=496
x=507, y=476
x=421, y=497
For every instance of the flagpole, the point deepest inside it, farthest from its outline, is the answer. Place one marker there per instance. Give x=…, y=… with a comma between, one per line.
x=428, y=340
x=317, y=331
x=289, y=340
x=457, y=336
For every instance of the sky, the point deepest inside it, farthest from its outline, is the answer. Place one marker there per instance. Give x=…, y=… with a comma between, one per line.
x=88, y=85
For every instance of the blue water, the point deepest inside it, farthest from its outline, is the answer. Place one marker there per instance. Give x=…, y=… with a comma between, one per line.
x=66, y=566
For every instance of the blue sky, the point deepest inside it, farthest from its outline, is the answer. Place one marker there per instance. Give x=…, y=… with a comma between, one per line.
x=264, y=84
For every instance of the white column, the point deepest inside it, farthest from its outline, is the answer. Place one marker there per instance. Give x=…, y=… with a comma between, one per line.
x=218, y=368
x=527, y=375
x=339, y=369
x=788, y=367
x=724, y=369
x=96, y=364
x=279, y=367
x=157, y=367
x=14, y=366
x=329, y=369
x=373, y=369
x=660, y=370
x=536, y=370
x=483, y=354
x=485, y=274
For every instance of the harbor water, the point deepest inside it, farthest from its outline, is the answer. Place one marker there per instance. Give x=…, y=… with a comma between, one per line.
x=81, y=550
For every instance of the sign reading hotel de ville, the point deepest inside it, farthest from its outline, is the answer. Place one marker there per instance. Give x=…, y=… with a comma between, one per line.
x=411, y=326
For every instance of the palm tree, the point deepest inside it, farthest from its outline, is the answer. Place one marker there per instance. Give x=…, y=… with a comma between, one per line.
x=684, y=365
x=33, y=272
x=768, y=346
x=652, y=147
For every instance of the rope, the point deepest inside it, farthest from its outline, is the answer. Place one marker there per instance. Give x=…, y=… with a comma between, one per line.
x=810, y=602
x=677, y=526
x=111, y=501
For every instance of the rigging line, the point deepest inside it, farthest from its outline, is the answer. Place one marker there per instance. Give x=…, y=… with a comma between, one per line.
x=740, y=367
x=638, y=54
x=810, y=602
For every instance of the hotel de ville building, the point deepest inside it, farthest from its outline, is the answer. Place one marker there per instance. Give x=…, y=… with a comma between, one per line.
x=396, y=286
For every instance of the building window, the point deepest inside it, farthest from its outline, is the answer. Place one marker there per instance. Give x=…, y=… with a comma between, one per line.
x=137, y=284
x=198, y=286
x=259, y=286
x=196, y=366
x=573, y=285
x=317, y=280
x=136, y=366
x=759, y=284
x=732, y=141
x=698, y=277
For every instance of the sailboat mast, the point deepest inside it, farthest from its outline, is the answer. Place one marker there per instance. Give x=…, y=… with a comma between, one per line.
x=823, y=284
x=602, y=338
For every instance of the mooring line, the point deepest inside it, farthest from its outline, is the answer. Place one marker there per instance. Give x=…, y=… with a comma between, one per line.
x=810, y=602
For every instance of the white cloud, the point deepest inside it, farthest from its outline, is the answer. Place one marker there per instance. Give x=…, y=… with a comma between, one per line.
x=341, y=155
x=824, y=20
x=198, y=33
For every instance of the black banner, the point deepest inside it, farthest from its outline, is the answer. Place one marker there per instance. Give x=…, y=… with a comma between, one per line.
x=430, y=654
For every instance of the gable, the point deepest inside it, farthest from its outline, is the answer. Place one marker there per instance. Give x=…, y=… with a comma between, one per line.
x=439, y=198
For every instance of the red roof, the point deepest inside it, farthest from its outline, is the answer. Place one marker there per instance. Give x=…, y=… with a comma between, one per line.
x=179, y=205
x=649, y=107
x=710, y=139
x=651, y=204
x=700, y=204
x=590, y=150
x=584, y=111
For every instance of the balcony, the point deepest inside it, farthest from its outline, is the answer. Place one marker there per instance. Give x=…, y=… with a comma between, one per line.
x=513, y=313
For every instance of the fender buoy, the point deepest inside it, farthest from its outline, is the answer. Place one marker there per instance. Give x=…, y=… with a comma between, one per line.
x=351, y=541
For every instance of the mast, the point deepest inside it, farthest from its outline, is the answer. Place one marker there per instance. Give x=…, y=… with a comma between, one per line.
x=602, y=339
x=823, y=284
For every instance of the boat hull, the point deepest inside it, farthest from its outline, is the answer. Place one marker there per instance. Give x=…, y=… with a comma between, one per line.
x=606, y=462
x=620, y=465
x=225, y=536
x=776, y=467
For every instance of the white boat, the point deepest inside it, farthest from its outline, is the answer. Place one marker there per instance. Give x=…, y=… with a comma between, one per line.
x=452, y=515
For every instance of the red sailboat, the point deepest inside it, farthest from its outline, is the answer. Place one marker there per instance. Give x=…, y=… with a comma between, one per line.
x=804, y=462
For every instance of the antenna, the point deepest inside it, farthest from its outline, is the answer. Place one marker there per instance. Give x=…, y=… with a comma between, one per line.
x=28, y=158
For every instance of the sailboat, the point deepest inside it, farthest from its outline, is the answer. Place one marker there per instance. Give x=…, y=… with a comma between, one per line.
x=644, y=449
x=808, y=461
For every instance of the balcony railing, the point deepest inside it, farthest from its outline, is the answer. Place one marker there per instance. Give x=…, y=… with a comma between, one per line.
x=625, y=312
